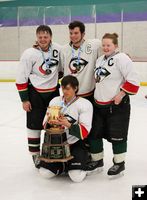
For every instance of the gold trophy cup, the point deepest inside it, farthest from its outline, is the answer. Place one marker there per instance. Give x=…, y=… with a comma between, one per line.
x=55, y=147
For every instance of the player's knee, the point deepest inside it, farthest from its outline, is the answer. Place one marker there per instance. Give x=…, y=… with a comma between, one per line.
x=45, y=173
x=77, y=175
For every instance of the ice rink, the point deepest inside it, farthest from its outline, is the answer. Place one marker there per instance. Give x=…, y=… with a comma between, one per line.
x=19, y=180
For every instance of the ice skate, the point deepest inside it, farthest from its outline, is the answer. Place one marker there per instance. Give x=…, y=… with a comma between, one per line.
x=117, y=170
x=94, y=167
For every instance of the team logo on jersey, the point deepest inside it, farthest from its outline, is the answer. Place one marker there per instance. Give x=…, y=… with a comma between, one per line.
x=77, y=65
x=100, y=74
x=49, y=66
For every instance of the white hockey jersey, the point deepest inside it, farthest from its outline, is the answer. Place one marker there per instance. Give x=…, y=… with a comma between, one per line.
x=41, y=68
x=113, y=74
x=79, y=114
x=80, y=63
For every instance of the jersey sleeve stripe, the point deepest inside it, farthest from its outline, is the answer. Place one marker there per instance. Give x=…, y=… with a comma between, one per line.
x=22, y=86
x=83, y=131
x=130, y=88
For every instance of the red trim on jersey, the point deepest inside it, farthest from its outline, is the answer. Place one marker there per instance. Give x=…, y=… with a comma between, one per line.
x=130, y=88
x=83, y=131
x=86, y=94
x=103, y=103
x=22, y=86
x=45, y=90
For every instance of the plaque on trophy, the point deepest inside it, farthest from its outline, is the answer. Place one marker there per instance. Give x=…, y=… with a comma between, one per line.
x=55, y=147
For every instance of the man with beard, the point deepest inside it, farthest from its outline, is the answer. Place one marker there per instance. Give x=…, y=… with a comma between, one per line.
x=78, y=58
x=37, y=84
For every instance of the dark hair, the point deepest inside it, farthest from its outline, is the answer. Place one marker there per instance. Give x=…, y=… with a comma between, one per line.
x=70, y=80
x=75, y=24
x=44, y=28
x=112, y=36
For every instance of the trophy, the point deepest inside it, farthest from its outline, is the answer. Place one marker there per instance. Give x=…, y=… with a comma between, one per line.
x=55, y=147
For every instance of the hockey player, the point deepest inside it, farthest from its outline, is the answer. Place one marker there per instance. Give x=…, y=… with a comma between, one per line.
x=77, y=120
x=115, y=81
x=78, y=58
x=37, y=84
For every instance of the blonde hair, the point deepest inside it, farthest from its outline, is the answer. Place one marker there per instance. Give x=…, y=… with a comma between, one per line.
x=113, y=36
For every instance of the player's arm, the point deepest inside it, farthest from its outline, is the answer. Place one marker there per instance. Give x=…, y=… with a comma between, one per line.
x=131, y=84
x=82, y=129
x=24, y=69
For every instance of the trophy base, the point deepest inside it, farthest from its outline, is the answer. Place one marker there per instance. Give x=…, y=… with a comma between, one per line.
x=56, y=160
x=55, y=147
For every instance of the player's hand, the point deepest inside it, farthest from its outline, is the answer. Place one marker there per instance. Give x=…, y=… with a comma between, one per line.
x=63, y=121
x=118, y=98
x=27, y=106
